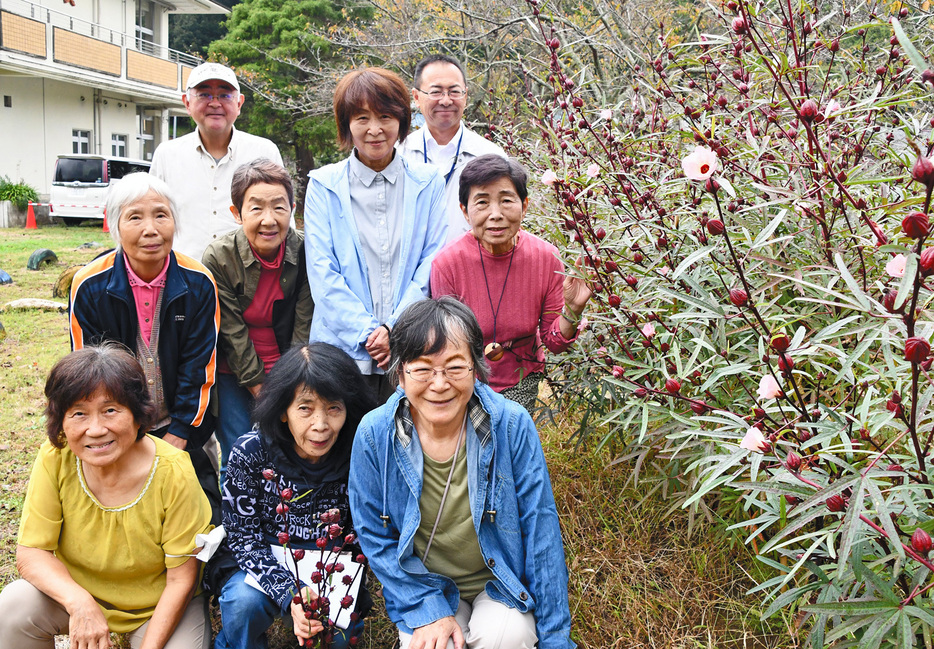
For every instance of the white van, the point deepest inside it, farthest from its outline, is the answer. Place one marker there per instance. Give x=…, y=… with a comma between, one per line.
x=80, y=182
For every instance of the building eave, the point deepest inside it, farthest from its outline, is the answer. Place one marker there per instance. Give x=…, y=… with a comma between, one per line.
x=194, y=7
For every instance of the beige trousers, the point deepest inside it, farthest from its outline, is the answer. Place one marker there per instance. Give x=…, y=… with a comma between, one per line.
x=487, y=624
x=31, y=620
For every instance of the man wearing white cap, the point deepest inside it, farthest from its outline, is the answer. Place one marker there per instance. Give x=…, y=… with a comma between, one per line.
x=198, y=167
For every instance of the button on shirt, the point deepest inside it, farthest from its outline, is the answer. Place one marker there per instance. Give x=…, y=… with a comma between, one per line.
x=201, y=185
x=146, y=295
x=376, y=203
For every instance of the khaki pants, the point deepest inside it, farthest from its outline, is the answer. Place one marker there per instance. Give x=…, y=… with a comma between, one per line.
x=31, y=620
x=487, y=624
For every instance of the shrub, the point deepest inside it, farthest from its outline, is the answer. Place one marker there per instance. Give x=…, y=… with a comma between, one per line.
x=759, y=196
x=20, y=194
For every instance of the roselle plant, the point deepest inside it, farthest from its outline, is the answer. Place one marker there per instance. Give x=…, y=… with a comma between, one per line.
x=328, y=568
x=753, y=203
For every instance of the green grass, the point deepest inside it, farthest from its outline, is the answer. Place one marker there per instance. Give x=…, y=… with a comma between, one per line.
x=636, y=579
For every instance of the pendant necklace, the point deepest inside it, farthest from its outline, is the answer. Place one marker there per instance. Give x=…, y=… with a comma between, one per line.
x=494, y=351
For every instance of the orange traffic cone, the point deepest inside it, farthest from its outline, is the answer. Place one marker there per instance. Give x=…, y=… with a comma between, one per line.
x=30, y=218
x=106, y=229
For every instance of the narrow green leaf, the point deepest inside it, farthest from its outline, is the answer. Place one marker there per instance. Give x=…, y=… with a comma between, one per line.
x=851, y=607
x=691, y=259
x=905, y=43
x=767, y=231
x=881, y=587
x=852, y=526
x=851, y=282
x=906, y=638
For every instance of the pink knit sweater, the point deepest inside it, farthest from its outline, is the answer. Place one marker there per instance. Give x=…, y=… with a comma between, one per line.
x=531, y=306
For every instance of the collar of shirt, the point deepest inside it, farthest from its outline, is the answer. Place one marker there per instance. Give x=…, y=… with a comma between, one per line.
x=158, y=282
x=479, y=418
x=436, y=152
x=231, y=146
x=367, y=175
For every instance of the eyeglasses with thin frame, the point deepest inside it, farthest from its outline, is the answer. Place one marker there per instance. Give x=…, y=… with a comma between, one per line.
x=451, y=373
x=438, y=93
x=223, y=97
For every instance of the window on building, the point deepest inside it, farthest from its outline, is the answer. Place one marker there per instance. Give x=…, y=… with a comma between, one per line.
x=118, y=145
x=146, y=127
x=146, y=25
x=80, y=141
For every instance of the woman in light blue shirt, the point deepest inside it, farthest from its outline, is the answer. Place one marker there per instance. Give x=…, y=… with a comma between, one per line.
x=373, y=223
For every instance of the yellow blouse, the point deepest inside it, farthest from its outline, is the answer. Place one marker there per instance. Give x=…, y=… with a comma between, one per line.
x=118, y=554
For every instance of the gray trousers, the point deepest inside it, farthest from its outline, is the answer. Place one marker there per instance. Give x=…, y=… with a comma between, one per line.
x=31, y=620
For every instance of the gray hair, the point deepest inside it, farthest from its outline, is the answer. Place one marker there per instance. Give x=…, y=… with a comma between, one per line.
x=130, y=189
x=426, y=326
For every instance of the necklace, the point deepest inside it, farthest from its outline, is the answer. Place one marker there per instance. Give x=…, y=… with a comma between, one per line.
x=494, y=351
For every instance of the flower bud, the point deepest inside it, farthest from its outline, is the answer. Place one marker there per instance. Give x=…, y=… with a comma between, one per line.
x=715, y=226
x=711, y=186
x=888, y=300
x=793, y=462
x=615, y=300
x=927, y=261
x=334, y=531
x=297, y=599
x=632, y=280
x=923, y=171
x=921, y=542
x=286, y=494
x=299, y=554
x=738, y=297
x=699, y=406
x=346, y=601
x=836, y=503
x=269, y=474
x=350, y=538
x=834, y=45
x=321, y=542
x=739, y=25
x=780, y=342
x=640, y=392
x=673, y=385
x=316, y=578
x=282, y=509
x=808, y=110
x=617, y=372
x=917, y=349
x=785, y=364
x=916, y=225
x=282, y=537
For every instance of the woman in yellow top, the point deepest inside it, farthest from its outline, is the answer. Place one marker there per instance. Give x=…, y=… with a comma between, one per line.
x=110, y=520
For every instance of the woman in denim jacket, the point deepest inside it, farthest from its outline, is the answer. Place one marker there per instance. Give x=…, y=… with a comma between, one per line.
x=451, y=497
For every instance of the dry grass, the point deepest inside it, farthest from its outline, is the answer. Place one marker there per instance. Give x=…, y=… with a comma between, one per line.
x=636, y=580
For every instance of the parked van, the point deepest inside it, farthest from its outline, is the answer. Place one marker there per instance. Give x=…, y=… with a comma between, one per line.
x=80, y=182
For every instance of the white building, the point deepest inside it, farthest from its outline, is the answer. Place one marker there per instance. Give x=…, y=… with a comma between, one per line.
x=87, y=76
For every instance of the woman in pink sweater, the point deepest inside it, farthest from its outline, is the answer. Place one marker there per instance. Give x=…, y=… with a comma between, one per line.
x=513, y=281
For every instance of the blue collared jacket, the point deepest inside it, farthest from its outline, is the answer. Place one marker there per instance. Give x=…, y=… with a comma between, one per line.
x=506, y=474
x=102, y=308
x=337, y=270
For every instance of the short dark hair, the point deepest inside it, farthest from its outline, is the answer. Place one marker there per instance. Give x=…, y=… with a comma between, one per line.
x=378, y=89
x=323, y=369
x=261, y=170
x=437, y=58
x=109, y=367
x=426, y=326
x=489, y=168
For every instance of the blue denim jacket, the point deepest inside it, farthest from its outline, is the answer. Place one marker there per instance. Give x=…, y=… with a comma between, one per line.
x=507, y=475
x=337, y=271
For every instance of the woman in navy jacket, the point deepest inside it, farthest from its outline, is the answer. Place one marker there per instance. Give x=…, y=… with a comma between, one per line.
x=163, y=307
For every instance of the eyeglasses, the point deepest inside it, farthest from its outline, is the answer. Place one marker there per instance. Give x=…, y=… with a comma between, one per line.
x=437, y=93
x=427, y=374
x=223, y=97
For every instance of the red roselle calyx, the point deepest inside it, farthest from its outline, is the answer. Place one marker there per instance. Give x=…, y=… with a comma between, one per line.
x=785, y=364
x=739, y=25
x=640, y=392
x=699, y=406
x=927, y=261
x=738, y=296
x=673, y=385
x=923, y=171
x=793, y=462
x=836, y=503
x=808, y=110
x=921, y=542
x=711, y=186
x=269, y=474
x=715, y=226
x=780, y=342
x=917, y=349
x=916, y=225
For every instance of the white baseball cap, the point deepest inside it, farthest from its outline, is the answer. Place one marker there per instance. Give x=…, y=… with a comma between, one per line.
x=208, y=71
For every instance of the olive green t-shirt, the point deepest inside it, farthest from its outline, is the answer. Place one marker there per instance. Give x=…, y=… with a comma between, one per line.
x=455, y=551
